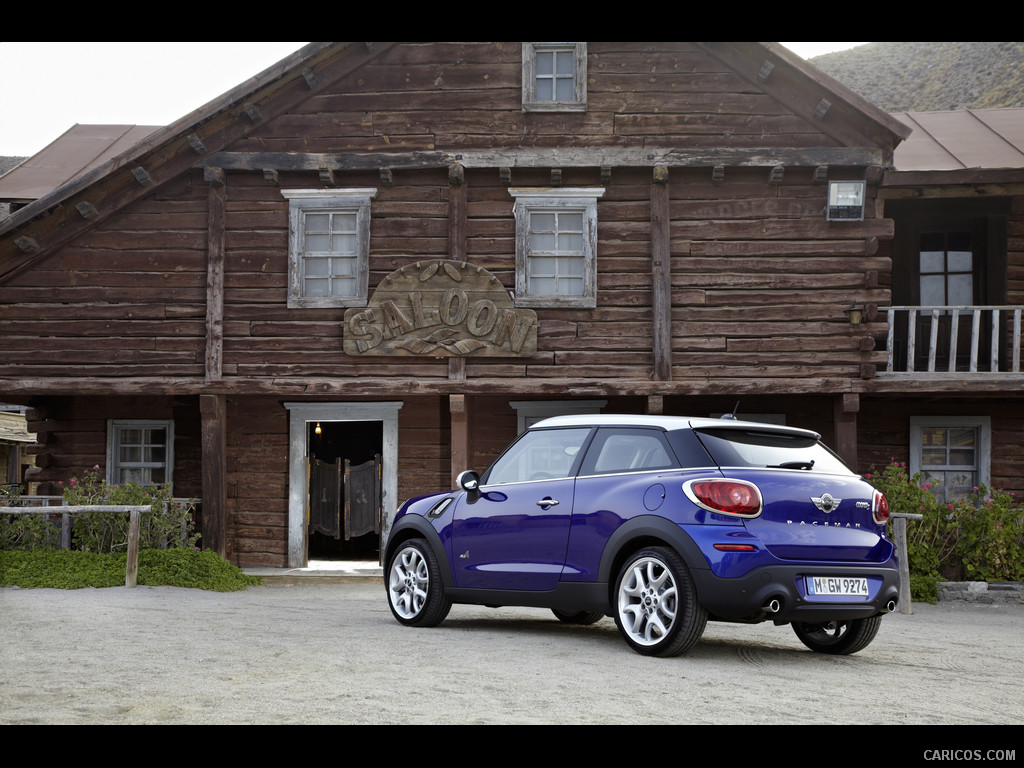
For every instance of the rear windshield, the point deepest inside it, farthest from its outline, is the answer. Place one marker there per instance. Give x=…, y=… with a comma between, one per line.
x=751, y=448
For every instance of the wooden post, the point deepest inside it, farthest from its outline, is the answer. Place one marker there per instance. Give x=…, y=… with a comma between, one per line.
x=457, y=214
x=844, y=416
x=661, y=275
x=216, y=205
x=132, y=571
x=459, y=408
x=899, y=534
x=213, y=412
x=457, y=239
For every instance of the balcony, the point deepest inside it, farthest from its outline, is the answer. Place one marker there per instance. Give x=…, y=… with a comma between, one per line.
x=961, y=342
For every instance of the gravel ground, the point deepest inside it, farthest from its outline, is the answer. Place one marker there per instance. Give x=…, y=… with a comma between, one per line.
x=332, y=653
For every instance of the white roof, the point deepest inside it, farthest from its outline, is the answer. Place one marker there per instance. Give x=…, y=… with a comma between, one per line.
x=666, y=422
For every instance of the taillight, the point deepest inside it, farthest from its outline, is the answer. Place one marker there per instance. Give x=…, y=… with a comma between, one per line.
x=725, y=497
x=880, y=508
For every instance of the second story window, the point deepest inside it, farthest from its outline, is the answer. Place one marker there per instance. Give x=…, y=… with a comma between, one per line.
x=556, y=247
x=554, y=77
x=329, y=246
x=947, y=269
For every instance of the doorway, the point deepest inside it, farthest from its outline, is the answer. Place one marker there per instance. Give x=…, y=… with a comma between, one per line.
x=376, y=428
x=345, y=510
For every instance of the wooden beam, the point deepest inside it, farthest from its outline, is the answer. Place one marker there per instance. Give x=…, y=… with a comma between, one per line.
x=844, y=417
x=142, y=176
x=253, y=111
x=506, y=159
x=458, y=217
x=661, y=276
x=215, y=225
x=213, y=415
x=972, y=386
x=458, y=407
x=655, y=404
x=196, y=143
x=87, y=210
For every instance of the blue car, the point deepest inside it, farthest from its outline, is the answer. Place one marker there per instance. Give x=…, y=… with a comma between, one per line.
x=662, y=523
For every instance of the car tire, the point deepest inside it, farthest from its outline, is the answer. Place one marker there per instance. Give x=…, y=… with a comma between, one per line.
x=656, y=606
x=416, y=594
x=838, y=637
x=578, y=617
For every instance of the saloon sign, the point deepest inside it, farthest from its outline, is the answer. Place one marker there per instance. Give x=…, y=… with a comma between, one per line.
x=441, y=308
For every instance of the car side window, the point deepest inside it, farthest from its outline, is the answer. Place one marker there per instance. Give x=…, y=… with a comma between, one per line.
x=539, y=455
x=627, y=450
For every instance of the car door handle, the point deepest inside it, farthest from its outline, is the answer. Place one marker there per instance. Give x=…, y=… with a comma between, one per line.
x=547, y=503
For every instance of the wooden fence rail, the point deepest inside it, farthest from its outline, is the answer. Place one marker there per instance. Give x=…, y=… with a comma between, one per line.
x=134, y=517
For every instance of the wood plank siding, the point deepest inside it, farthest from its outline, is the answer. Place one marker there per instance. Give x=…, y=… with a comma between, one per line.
x=745, y=297
x=158, y=286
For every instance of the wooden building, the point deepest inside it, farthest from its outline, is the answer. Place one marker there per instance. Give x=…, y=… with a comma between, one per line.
x=391, y=257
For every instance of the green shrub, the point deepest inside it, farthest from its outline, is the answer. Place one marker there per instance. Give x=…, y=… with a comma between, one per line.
x=979, y=538
x=70, y=569
x=170, y=523
x=991, y=543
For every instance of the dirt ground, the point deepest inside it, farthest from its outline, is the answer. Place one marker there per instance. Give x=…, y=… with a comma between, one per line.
x=333, y=654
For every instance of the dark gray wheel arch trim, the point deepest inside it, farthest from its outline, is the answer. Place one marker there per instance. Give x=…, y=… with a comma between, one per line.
x=414, y=526
x=645, y=530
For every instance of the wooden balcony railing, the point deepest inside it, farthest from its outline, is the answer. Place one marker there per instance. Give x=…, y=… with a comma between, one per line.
x=937, y=340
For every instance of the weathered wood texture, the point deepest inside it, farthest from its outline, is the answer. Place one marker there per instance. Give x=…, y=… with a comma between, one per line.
x=71, y=435
x=758, y=279
x=884, y=432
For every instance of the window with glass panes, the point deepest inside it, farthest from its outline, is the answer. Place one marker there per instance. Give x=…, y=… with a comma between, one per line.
x=554, y=76
x=951, y=454
x=556, y=244
x=947, y=269
x=329, y=246
x=140, y=452
x=556, y=260
x=330, y=263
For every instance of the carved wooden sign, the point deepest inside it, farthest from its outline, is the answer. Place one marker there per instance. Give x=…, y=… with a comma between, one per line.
x=441, y=308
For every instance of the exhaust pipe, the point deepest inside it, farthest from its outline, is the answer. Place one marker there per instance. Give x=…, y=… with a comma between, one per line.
x=772, y=606
x=890, y=607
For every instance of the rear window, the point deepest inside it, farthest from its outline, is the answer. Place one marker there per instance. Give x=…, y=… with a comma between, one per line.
x=755, y=449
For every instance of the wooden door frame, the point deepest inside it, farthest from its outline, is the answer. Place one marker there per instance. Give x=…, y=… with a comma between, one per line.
x=300, y=415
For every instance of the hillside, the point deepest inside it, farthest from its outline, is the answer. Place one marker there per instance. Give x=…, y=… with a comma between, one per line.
x=929, y=77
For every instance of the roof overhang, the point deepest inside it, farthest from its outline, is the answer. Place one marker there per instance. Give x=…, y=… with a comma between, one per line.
x=37, y=230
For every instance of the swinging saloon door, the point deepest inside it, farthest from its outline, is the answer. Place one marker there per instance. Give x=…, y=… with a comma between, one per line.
x=345, y=500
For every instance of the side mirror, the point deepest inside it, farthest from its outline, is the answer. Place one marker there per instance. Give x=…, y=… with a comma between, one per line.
x=468, y=481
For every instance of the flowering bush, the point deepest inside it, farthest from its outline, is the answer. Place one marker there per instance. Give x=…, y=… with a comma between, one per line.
x=169, y=525
x=25, y=532
x=978, y=538
x=991, y=543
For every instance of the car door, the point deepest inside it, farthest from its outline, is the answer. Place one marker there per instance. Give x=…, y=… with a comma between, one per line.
x=513, y=532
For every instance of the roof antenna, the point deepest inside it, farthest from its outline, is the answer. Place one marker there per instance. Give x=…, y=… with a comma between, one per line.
x=732, y=416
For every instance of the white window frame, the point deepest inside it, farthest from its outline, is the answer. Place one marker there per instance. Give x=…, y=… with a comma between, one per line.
x=578, y=103
x=114, y=465
x=304, y=201
x=581, y=200
x=983, y=449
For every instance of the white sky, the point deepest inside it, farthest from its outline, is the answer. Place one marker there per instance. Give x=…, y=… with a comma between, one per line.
x=49, y=87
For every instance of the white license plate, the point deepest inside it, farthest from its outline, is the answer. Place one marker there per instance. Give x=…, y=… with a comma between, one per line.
x=837, y=586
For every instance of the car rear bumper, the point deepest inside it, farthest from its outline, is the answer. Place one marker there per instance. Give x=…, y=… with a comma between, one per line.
x=778, y=593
